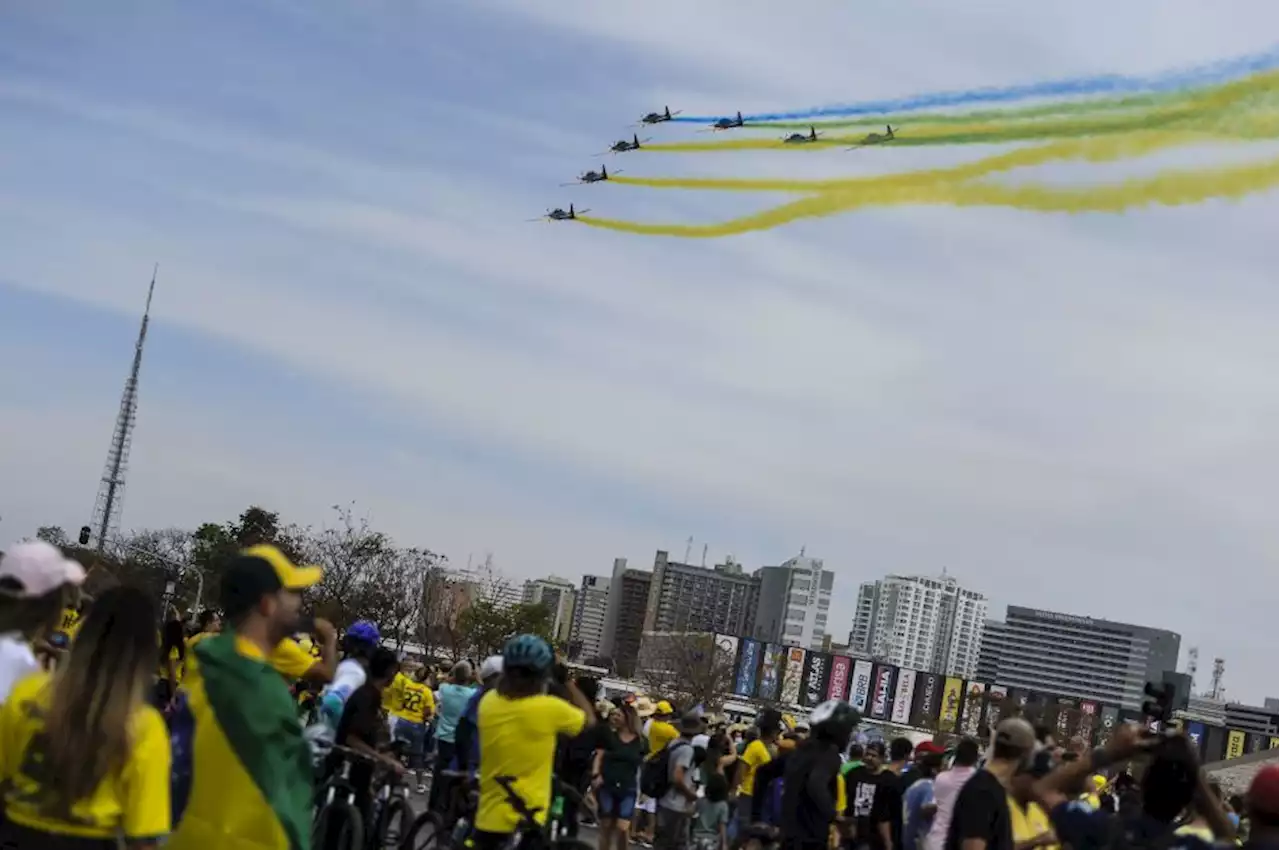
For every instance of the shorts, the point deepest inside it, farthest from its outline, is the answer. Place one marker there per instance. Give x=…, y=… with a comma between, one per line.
x=414, y=735
x=615, y=803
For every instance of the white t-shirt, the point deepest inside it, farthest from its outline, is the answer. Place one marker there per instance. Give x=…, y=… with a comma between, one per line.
x=16, y=661
x=349, y=676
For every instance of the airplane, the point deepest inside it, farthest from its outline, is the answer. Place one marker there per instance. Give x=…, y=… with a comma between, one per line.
x=801, y=138
x=728, y=123
x=558, y=214
x=622, y=145
x=875, y=138
x=659, y=117
x=592, y=176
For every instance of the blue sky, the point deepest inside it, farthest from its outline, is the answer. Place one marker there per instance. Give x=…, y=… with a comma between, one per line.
x=1076, y=413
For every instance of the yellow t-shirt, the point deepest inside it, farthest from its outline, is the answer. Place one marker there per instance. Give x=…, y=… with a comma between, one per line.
x=287, y=658
x=753, y=756
x=1029, y=822
x=661, y=733
x=391, y=693
x=518, y=738
x=133, y=800
x=416, y=702
x=69, y=625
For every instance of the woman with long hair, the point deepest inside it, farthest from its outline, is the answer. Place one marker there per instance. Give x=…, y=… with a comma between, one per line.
x=614, y=773
x=84, y=759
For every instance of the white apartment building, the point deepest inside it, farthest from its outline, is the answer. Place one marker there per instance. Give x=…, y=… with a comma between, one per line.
x=586, y=635
x=794, y=603
x=920, y=622
x=558, y=595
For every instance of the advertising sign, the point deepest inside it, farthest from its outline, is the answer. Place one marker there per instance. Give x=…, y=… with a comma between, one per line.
x=924, y=710
x=971, y=711
x=1195, y=733
x=1255, y=743
x=997, y=695
x=771, y=670
x=1215, y=743
x=727, y=645
x=882, y=693
x=1088, y=720
x=949, y=713
x=1235, y=744
x=748, y=665
x=902, y=695
x=861, y=687
x=1063, y=713
x=791, y=675
x=816, y=667
x=838, y=681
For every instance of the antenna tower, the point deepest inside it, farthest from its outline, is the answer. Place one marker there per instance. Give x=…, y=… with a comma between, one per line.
x=106, y=511
x=1193, y=664
x=1215, y=687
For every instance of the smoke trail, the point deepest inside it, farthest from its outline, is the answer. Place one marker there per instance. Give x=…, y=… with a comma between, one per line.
x=1169, y=188
x=1079, y=86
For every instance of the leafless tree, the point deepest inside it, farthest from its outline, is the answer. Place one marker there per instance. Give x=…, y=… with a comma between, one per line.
x=686, y=666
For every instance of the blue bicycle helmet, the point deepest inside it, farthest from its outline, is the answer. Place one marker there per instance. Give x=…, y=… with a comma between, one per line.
x=528, y=652
x=362, y=631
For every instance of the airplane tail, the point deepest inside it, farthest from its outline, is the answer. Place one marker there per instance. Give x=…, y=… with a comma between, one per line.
x=666, y=111
x=813, y=133
x=604, y=173
x=570, y=210
x=635, y=139
x=739, y=117
x=888, y=131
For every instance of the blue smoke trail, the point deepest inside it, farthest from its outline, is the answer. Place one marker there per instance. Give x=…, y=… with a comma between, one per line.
x=1218, y=72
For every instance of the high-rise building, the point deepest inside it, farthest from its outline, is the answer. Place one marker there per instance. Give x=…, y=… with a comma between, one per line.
x=794, y=602
x=557, y=595
x=1074, y=656
x=589, y=612
x=689, y=598
x=624, y=616
x=920, y=622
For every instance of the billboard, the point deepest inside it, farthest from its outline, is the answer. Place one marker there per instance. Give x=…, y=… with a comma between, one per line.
x=997, y=695
x=924, y=708
x=838, y=681
x=1255, y=743
x=1088, y=720
x=861, y=687
x=1235, y=744
x=902, y=695
x=816, y=667
x=728, y=646
x=971, y=710
x=949, y=712
x=1195, y=733
x=748, y=665
x=771, y=670
x=1063, y=710
x=882, y=691
x=791, y=675
x=1215, y=743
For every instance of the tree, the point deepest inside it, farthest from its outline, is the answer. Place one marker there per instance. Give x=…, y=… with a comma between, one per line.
x=488, y=625
x=349, y=553
x=393, y=588
x=53, y=534
x=687, y=666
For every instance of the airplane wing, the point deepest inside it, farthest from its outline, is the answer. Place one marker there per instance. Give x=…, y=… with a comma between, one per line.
x=582, y=212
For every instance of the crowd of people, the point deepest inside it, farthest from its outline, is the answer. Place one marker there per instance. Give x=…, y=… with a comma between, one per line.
x=114, y=732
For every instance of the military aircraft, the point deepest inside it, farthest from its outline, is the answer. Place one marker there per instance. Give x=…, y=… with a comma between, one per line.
x=728, y=123
x=658, y=117
x=801, y=138
x=592, y=176
x=875, y=138
x=622, y=145
x=558, y=214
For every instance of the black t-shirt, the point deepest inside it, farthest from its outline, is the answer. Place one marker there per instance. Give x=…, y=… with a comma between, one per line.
x=621, y=760
x=873, y=799
x=362, y=720
x=981, y=811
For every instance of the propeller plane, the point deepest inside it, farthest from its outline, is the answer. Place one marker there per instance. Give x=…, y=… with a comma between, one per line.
x=801, y=138
x=659, y=117
x=622, y=145
x=875, y=138
x=728, y=123
x=592, y=176
x=559, y=214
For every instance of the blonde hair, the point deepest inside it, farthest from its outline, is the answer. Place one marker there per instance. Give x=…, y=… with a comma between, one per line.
x=95, y=693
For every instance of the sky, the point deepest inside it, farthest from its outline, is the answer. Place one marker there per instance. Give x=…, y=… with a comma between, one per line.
x=1076, y=413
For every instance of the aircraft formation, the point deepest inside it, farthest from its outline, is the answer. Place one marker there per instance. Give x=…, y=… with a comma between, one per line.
x=635, y=143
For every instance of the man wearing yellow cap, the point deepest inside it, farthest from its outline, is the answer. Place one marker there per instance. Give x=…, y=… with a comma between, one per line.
x=251, y=768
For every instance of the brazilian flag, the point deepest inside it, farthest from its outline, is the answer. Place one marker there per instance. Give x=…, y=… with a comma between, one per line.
x=252, y=776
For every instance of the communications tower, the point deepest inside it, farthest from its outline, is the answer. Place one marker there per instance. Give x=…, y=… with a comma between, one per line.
x=106, y=511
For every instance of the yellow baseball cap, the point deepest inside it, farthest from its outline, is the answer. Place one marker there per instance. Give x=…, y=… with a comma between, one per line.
x=290, y=575
x=663, y=707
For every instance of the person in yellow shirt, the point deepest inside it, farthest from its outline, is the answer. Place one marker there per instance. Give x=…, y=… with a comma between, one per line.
x=518, y=725
x=661, y=730
x=83, y=758
x=758, y=752
x=391, y=698
x=413, y=712
x=292, y=661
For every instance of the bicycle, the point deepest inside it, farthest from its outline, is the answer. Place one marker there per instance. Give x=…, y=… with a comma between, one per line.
x=339, y=806
x=428, y=828
x=391, y=807
x=528, y=816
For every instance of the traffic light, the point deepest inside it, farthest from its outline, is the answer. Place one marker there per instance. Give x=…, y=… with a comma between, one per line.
x=1160, y=706
x=84, y=535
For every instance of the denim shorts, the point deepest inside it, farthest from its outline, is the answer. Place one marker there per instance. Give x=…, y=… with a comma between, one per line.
x=615, y=803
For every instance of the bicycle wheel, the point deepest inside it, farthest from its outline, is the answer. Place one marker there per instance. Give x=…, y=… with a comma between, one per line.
x=393, y=822
x=426, y=832
x=344, y=822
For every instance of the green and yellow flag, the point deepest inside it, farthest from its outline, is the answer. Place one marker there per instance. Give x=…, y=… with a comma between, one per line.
x=252, y=776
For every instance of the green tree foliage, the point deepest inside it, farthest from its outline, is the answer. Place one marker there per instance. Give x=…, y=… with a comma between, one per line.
x=488, y=625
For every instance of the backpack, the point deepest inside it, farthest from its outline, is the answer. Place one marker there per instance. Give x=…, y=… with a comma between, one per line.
x=655, y=774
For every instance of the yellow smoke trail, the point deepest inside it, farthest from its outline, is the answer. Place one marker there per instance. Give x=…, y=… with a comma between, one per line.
x=1170, y=187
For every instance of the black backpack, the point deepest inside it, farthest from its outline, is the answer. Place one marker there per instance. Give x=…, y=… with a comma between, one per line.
x=655, y=775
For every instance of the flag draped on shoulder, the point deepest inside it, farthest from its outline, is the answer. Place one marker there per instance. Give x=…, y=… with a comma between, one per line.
x=252, y=773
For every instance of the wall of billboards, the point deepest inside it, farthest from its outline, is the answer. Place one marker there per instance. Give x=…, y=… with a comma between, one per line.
x=890, y=694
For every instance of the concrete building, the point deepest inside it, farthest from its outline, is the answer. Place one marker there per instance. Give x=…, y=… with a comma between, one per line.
x=589, y=612
x=625, y=616
x=557, y=595
x=1074, y=656
x=1253, y=718
x=794, y=602
x=926, y=623
x=689, y=598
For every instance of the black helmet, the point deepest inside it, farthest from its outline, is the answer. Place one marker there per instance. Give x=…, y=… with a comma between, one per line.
x=834, y=721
